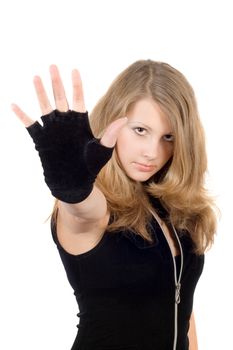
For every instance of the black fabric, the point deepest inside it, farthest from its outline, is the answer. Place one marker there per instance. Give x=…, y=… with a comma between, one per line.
x=124, y=288
x=70, y=155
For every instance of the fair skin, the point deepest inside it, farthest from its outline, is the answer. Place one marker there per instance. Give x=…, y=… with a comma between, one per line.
x=144, y=143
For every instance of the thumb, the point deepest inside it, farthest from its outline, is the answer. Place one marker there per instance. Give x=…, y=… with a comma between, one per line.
x=109, y=138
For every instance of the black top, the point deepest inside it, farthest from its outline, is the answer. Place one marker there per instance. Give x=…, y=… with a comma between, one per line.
x=124, y=287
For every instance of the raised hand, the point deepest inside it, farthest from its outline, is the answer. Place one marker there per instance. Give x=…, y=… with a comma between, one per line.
x=70, y=155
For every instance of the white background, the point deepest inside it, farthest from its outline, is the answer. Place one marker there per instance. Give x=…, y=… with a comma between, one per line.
x=101, y=38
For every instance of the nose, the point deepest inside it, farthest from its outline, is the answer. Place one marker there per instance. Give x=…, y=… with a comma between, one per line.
x=151, y=149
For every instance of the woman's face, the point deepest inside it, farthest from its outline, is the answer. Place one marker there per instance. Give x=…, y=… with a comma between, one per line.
x=145, y=143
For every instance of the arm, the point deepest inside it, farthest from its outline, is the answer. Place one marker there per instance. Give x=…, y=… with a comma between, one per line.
x=79, y=227
x=192, y=334
x=93, y=208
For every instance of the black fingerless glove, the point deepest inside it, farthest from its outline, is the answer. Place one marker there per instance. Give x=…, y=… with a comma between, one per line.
x=70, y=155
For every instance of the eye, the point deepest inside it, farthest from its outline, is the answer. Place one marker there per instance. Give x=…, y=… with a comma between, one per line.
x=169, y=138
x=139, y=130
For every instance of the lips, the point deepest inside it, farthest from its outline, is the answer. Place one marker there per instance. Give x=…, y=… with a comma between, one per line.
x=145, y=167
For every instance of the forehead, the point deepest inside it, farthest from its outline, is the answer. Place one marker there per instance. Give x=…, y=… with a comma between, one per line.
x=148, y=112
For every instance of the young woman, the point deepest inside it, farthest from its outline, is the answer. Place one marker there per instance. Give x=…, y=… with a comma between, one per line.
x=132, y=218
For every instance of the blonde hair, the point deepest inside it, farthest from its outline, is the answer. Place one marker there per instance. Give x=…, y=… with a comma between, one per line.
x=180, y=185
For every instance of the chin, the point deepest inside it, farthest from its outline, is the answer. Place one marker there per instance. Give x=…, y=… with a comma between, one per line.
x=140, y=177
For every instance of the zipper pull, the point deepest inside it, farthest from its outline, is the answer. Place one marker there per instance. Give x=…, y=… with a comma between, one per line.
x=177, y=297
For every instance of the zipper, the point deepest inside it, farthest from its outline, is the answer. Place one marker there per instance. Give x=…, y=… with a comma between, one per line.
x=177, y=280
x=177, y=285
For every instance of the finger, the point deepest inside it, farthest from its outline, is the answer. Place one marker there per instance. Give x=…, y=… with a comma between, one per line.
x=58, y=90
x=27, y=121
x=44, y=103
x=78, y=97
x=109, y=138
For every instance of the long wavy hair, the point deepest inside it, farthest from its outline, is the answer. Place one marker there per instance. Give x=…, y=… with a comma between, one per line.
x=180, y=185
